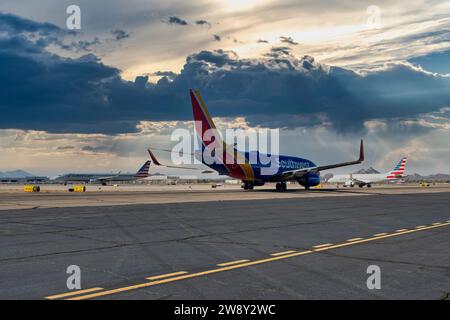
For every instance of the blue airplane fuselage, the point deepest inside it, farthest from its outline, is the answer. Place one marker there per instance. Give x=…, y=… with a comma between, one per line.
x=267, y=169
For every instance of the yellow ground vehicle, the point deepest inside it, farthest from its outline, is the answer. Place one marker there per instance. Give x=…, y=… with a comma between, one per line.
x=79, y=188
x=31, y=188
x=424, y=184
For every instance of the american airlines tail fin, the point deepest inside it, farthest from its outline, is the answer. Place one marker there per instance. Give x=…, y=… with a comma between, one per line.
x=143, y=171
x=398, y=171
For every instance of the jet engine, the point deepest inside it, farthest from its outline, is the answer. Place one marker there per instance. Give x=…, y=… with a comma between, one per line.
x=309, y=180
x=349, y=183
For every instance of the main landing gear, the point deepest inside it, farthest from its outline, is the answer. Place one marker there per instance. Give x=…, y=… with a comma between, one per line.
x=367, y=185
x=248, y=185
x=281, y=186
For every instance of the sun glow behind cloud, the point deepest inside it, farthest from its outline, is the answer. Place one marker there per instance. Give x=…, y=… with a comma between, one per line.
x=240, y=5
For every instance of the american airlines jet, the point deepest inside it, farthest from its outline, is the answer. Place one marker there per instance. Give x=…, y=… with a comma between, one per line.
x=287, y=168
x=362, y=179
x=103, y=178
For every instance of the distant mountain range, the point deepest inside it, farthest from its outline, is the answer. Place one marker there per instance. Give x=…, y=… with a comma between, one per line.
x=15, y=174
x=366, y=171
x=431, y=177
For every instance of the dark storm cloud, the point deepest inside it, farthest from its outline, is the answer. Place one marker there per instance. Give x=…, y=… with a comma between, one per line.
x=168, y=74
x=177, y=21
x=120, y=34
x=42, y=34
x=216, y=58
x=181, y=22
x=203, y=23
x=85, y=45
x=43, y=91
x=276, y=52
x=13, y=24
x=288, y=40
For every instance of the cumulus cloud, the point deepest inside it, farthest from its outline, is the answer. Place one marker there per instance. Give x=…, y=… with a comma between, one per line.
x=168, y=74
x=120, y=34
x=203, y=23
x=276, y=52
x=177, y=21
x=288, y=40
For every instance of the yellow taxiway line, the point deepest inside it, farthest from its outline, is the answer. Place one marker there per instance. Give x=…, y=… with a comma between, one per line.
x=232, y=262
x=166, y=275
x=282, y=253
x=73, y=293
x=354, y=239
x=246, y=263
x=322, y=245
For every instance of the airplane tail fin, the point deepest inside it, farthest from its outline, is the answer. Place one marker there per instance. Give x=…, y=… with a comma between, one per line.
x=202, y=118
x=143, y=171
x=399, y=170
x=233, y=161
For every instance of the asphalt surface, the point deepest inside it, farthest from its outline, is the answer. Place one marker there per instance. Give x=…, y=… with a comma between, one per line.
x=57, y=195
x=118, y=247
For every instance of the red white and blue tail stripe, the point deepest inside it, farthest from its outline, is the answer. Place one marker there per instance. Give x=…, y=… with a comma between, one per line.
x=398, y=171
x=143, y=171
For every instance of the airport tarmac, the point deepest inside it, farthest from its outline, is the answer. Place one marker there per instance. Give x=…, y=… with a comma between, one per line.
x=12, y=196
x=227, y=244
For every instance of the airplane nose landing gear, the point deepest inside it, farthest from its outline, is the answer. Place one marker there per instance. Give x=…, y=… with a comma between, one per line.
x=281, y=186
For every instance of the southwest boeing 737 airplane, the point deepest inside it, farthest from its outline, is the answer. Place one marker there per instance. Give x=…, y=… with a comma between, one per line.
x=288, y=168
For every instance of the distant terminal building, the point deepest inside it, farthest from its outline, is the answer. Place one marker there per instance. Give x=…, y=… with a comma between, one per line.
x=24, y=180
x=232, y=181
x=95, y=178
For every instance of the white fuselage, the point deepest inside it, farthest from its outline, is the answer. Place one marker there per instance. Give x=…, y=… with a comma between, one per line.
x=352, y=179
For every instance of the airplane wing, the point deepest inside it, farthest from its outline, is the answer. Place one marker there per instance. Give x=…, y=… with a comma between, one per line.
x=156, y=162
x=294, y=174
x=106, y=178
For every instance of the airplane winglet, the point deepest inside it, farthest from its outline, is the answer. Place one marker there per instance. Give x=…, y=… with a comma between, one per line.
x=361, y=152
x=152, y=156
